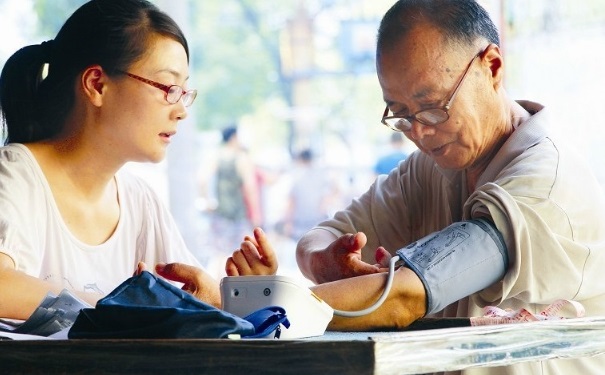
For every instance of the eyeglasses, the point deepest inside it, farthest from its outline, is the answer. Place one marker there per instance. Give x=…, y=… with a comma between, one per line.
x=431, y=116
x=174, y=93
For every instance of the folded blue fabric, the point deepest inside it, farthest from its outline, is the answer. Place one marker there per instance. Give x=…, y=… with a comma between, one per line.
x=145, y=306
x=267, y=321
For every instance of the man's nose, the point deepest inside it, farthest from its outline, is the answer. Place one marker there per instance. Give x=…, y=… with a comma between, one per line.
x=419, y=130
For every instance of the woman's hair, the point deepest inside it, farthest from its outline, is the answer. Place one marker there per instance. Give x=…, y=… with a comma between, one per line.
x=460, y=21
x=111, y=33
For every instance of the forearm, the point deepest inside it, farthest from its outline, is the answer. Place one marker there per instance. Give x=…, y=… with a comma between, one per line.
x=20, y=294
x=312, y=242
x=405, y=303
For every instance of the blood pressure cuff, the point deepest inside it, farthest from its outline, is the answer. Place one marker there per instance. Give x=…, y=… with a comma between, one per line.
x=457, y=261
x=145, y=306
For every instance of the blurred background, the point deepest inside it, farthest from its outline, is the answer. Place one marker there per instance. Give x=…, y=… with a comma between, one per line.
x=296, y=80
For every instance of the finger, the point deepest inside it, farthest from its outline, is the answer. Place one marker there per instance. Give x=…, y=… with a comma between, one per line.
x=359, y=267
x=195, y=281
x=265, y=249
x=383, y=257
x=251, y=239
x=231, y=268
x=359, y=241
x=250, y=251
x=351, y=242
x=241, y=262
x=180, y=272
x=141, y=266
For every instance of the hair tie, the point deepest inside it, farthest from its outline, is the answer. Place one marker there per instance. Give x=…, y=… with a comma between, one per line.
x=47, y=52
x=47, y=49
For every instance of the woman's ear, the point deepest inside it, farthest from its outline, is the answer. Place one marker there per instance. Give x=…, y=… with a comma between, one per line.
x=492, y=57
x=94, y=84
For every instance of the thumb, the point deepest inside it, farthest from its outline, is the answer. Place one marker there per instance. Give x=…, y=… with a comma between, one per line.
x=141, y=266
x=354, y=242
x=176, y=271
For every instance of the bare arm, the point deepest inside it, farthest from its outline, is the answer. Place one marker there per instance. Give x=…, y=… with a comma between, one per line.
x=405, y=303
x=20, y=294
x=323, y=257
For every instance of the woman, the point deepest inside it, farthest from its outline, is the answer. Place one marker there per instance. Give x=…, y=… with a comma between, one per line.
x=109, y=89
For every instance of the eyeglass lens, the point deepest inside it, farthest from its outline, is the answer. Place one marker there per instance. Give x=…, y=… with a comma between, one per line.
x=429, y=117
x=175, y=93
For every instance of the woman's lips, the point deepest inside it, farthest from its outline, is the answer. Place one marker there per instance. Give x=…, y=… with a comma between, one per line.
x=166, y=136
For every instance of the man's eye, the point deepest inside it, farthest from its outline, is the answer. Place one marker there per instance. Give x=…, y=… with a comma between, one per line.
x=431, y=105
x=400, y=112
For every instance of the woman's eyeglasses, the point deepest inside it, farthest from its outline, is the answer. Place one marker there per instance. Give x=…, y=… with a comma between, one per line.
x=174, y=93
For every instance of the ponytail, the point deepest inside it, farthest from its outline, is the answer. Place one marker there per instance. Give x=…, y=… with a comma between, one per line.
x=20, y=81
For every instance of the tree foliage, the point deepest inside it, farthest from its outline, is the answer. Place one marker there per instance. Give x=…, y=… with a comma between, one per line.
x=236, y=57
x=53, y=13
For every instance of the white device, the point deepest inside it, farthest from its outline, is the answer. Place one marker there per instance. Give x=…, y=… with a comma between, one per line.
x=308, y=314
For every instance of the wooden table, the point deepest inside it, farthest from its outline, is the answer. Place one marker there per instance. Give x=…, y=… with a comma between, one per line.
x=387, y=353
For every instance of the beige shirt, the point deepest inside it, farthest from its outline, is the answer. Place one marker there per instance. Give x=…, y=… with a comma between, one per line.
x=544, y=200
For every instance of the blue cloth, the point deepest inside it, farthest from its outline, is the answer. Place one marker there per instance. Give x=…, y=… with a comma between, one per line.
x=145, y=306
x=386, y=163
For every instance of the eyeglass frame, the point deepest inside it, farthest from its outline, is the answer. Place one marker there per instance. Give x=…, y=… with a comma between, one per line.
x=166, y=88
x=445, y=109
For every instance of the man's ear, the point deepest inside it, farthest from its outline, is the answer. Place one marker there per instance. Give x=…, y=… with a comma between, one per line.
x=492, y=56
x=94, y=84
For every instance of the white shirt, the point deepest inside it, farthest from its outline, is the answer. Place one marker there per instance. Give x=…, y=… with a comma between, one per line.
x=34, y=235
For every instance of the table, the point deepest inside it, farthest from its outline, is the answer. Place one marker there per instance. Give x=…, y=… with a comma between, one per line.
x=384, y=353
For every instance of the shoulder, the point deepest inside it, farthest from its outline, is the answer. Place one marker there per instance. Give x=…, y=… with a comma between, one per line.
x=535, y=163
x=18, y=164
x=15, y=153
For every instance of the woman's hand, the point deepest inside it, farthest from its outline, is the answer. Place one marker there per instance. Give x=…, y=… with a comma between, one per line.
x=255, y=257
x=195, y=281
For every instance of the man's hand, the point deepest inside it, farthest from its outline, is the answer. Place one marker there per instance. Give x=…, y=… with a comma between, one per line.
x=255, y=257
x=342, y=259
x=195, y=281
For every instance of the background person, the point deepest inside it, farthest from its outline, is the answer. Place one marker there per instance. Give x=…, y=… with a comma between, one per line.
x=236, y=185
x=309, y=198
x=391, y=159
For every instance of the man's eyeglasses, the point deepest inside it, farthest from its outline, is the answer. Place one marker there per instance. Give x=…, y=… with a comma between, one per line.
x=174, y=93
x=431, y=116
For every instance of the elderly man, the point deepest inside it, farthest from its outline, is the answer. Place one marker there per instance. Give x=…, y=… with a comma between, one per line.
x=490, y=210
